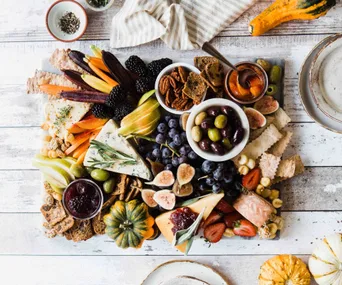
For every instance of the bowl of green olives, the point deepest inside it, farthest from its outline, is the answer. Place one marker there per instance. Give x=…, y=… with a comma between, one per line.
x=217, y=129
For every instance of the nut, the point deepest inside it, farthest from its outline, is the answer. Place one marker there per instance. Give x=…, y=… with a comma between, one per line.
x=277, y=203
x=274, y=194
x=266, y=193
x=259, y=189
x=243, y=159
x=251, y=163
x=243, y=170
x=265, y=181
x=164, y=84
x=272, y=228
x=175, y=75
x=228, y=233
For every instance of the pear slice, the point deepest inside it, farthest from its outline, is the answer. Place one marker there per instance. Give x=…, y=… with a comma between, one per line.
x=146, y=96
x=61, y=163
x=55, y=172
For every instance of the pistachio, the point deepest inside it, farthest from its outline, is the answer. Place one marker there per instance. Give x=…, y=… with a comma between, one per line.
x=266, y=193
x=277, y=203
x=274, y=194
x=243, y=170
x=259, y=189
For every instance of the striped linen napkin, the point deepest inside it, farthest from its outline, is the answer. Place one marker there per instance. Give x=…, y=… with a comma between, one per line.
x=181, y=24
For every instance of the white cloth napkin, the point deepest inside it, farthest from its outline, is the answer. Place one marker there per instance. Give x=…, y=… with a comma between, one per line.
x=181, y=24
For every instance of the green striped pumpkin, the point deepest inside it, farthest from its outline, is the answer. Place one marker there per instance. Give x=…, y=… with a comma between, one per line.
x=129, y=223
x=325, y=263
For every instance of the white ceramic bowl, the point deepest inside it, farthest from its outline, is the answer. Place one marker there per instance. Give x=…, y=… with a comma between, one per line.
x=104, y=8
x=56, y=11
x=168, y=70
x=204, y=106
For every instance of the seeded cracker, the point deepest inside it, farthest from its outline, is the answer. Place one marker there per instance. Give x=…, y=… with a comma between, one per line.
x=279, y=147
x=53, y=214
x=257, y=147
x=269, y=165
x=195, y=87
x=207, y=81
x=201, y=61
x=214, y=72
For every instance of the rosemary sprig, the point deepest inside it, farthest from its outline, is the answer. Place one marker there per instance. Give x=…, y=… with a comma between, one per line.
x=154, y=140
x=188, y=234
x=109, y=156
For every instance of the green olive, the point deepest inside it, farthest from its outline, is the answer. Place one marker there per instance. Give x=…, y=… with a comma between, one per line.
x=266, y=65
x=100, y=174
x=214, y=134
x=221, y=121
x=196, y=133
x=275, y=74
x=226, y=143
x=78, y=170
x=109, y=185
x=89, y=169
x=272, y=89
x=200, y=117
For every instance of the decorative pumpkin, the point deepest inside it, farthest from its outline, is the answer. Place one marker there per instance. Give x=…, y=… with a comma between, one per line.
x=129, y=223
x=287, y=10
x=325, y=262
x=284, y=269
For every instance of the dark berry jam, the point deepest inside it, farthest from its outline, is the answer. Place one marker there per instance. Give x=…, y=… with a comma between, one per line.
x=83, y=199
x=182, y=218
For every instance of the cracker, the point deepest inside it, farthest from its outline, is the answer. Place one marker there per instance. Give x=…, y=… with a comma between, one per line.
x=61, y=60
x=298, y=168
x=281, y=119
x=255, y=133
x=98, y=224
x=215, y=73
x=201, y=61
x=195, y=87
x=279, y=147
x=261, y=144
x=269, y=165
x=121, y=185
x=286, y=168
x=64, y=225
x=53, y=214
x=207, y=81
x=81, y=230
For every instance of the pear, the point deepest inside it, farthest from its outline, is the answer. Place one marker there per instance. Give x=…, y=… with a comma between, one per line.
x=55, y=172
x=61, y=163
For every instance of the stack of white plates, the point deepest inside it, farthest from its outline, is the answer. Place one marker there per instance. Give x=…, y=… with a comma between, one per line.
x=320, y=83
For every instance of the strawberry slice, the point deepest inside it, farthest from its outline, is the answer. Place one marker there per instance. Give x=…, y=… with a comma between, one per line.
x=224, y=207
x=231, y=218
x=214, y=232
x=214, y=217
x=251, y=180
x=244, y=228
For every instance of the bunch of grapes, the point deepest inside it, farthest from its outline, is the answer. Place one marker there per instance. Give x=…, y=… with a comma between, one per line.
x=170, y=133
x=217, y=177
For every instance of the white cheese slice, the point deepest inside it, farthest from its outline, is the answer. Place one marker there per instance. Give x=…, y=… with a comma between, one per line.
x=61, y=114
x=109, y=135
x=184, y=280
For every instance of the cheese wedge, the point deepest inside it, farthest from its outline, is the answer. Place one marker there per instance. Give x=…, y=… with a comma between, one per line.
x=109, y=135
x=165, y=225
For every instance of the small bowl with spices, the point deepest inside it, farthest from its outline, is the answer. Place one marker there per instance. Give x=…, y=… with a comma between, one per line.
x=66, y=20
x=99, y=5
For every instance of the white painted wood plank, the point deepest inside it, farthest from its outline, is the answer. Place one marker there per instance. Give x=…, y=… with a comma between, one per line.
x=23, y=234
x=28, y=22
x=316, y=145
x=21, y=190
x=101, y=270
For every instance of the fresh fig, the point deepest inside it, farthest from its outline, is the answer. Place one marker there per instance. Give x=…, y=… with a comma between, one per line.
x=182, y=190
x=163, y=179
x=165, y=198
x=185, y=173
x=266, y=105
x=255, y=118
x=147, y=196
x=156, y=167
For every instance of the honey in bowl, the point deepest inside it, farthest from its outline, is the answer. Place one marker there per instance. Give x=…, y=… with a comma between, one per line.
x=256, y=82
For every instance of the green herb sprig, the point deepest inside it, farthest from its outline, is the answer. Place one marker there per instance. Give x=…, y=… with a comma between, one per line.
x=63, y=114
x=109, y=156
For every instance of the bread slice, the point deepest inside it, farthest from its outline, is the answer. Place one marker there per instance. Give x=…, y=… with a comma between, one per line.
x=201, y=61
x=195, y=87
x=215, y=73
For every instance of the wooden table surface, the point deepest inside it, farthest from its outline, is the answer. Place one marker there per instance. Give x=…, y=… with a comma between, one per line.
x=26, y=255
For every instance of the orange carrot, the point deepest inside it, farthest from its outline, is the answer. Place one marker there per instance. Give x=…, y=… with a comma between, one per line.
x=91, y=124
x=102, y=75
x=79, y=139
x=98, y=62
x=75, y=129
x=80, y=159
x=81, y=149
x=54, y=90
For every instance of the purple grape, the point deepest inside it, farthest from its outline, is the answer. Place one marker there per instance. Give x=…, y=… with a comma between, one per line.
x=177, y=140
x=183, y=136
x=168, y=166
x=155, y=145
x=208, y=166
x=218, y=174
x=182, y=159
x=192, y=155
x=172, y=145
x=141, y=148
x=167, y=118
x=166, y=152
x=202, y=186
x=167, y=161
x=216, y=187
x=175, y=161
x=209, y=181
x=156, y=153
x=162, y=128
x=160, y=138
x=183, y=150
x=172, y=133
x=173, y=123
x=149, y=155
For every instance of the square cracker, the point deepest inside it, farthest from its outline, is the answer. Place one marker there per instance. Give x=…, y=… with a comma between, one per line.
x=215, y=73
x=269, y=165
x=201, y=61
x=279, y=147
x=207, y=81
x=195, y=87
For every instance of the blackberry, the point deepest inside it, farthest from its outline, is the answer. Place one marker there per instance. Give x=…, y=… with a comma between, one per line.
x=102, y=111
x=144, y=84
x=136, y=65
x=122, y=110
x=156, y=66
x=115, y=96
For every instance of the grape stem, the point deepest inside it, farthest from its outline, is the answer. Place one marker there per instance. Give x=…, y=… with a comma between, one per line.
x=154, y=140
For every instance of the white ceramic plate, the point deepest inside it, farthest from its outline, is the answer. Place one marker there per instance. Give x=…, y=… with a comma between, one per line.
x=172, y=269
x=325, y=78
x=308, y=101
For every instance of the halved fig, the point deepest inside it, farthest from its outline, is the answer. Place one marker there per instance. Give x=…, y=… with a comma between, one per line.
x=165, y=199
x=185, y=173
x=182, y=190
x=266, y=105
x=147, y=196
x=163, y=179
x=255, y=118
x=156, y=166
